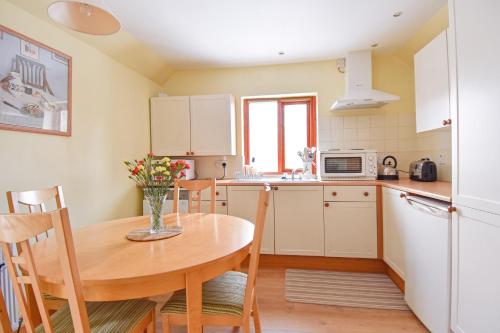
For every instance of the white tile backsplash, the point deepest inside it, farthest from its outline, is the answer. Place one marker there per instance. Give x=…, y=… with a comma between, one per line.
x=390, y=133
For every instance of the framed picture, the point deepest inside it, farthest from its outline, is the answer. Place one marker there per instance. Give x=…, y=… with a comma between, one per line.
x=35, y=86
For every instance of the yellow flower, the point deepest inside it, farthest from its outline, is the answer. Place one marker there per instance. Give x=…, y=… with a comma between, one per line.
x=166, y=173
x=165, y=160
x=159, y=169
x=141, y=167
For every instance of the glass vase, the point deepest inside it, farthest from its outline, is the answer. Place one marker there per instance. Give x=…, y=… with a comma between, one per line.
x=307, y=174
x=156, y=202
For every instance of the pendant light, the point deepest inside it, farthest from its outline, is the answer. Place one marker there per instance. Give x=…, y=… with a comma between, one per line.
x=88, y=16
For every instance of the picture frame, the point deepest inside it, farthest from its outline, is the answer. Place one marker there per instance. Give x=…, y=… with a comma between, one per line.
x=35, y=86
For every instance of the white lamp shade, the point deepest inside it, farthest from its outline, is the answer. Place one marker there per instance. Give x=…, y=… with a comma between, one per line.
x=87, y=16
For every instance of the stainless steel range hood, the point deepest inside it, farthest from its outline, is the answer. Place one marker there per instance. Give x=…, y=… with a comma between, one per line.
x=360, y=94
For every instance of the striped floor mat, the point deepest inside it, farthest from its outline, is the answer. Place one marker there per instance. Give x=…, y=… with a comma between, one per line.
x=362, y=290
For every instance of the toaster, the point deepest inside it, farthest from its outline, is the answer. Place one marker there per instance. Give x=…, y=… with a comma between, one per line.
x=423, y=170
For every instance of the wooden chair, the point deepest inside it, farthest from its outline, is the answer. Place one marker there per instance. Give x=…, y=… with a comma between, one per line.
x=134, y=316
x=36, y=201
x=5, y=326
x=228, y=300
x=194, y=188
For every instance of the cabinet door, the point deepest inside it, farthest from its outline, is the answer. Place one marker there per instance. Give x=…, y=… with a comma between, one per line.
x=213, y=125
x=220, y=207
x=351, y=229
x=394, y=230
x=475, y=271
x=299, y=226
x=242, y=202
x=170, y=126
x=220, y=193
x=432, y=91
x=474, y=54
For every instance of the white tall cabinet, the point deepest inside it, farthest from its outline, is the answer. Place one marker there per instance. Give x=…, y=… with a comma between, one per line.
x=193, y=125
x=432, y=89
x=474, y=46
x=299, y=227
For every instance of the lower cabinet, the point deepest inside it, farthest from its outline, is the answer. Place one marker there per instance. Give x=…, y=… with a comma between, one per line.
x=394, y=209
x=351, y=229
x=299, y=227
x=475, y=271
x=242, y=202
x=220, y=207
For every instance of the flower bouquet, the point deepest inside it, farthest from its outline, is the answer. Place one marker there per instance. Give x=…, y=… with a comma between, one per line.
x=155, y=176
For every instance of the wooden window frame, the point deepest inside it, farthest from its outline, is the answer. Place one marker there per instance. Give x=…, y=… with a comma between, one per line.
x=282, y=102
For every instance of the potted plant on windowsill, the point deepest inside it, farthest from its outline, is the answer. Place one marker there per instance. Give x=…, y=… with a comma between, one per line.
x=155, y=176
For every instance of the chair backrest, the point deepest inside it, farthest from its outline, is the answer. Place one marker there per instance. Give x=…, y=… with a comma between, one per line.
x=253, y=266
x=194, y=188
x=35, y=201
x=18, y=229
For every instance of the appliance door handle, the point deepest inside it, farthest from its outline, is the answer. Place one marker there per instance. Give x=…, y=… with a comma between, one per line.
x=434, y=210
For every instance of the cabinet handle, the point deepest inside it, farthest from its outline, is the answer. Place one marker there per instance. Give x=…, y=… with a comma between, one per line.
x=276, y=188
x=446, y=122
x=224, y=204
x=334, y=194
x=192, y=153
x=327, y=204
x=187, y=153
x=217, y=193
x=452, y=209
x=366, y=194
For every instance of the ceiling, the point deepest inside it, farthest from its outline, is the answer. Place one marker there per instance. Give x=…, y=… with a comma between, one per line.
x=222, y=33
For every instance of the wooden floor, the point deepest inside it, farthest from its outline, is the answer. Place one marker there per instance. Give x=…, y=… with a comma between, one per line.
x=280, y=316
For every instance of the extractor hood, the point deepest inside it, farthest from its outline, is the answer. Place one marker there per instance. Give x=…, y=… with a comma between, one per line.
x=360, y=94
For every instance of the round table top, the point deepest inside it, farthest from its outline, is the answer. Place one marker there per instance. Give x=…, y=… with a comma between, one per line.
x=108, y=261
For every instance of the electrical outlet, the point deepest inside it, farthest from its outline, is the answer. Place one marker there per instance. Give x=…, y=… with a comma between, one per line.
x=219, y=163
x=441, y=158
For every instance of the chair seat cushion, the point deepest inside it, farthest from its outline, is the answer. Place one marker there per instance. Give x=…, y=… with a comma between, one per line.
x=223, y=295
x=104, y=317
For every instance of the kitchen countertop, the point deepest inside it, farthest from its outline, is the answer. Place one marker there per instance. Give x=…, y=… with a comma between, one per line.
x=439, y=190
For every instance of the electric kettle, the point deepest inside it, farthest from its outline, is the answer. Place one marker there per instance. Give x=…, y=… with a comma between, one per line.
x=388, y=171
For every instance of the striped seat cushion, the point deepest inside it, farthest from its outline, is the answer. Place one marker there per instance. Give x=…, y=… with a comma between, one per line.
x=104, y=317
x=223, y=296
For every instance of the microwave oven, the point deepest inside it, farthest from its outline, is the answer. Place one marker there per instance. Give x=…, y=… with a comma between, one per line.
x=348, y=164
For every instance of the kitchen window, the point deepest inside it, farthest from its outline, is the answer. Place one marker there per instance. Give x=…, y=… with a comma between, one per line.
x=275, y=129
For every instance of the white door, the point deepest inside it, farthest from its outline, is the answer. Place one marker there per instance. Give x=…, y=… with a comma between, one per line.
x=475, y=86
x=170, y=126
x=299, y=227
x=220, y=207
x=243, y=201
x=475, y=271
x=394, y=230
x=351, y=229
x=213, y=125
x=432, y=90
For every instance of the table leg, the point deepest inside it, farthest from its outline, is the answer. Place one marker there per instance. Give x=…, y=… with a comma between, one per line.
x=194, y=302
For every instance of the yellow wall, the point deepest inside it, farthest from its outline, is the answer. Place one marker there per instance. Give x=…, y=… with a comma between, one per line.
x=110, y=124
x=390, y=130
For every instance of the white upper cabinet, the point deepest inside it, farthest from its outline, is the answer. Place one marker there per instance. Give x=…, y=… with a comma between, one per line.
x=432, y=91
x=170, y=126
x=475, y=86
x=213, y=125
x=195, y=125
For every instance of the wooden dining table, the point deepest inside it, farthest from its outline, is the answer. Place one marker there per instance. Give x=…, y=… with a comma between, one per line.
x=114, y=268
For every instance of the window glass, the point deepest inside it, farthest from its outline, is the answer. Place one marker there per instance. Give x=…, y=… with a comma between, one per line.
x=263, y=135
x=295, y=130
